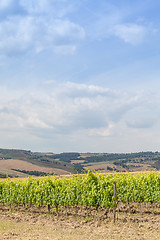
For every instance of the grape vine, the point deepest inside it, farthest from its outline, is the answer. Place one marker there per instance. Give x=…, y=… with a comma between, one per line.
x=90, y=190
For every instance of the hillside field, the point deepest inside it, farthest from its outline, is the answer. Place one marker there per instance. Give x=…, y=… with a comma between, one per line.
x=22, y=163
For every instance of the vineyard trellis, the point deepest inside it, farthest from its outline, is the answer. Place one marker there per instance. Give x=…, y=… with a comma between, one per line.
x=90, y=190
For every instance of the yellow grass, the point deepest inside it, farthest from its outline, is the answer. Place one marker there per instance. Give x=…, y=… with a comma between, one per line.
x=23, y=226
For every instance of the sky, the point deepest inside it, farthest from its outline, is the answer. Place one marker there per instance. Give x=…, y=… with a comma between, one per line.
x=80, y=75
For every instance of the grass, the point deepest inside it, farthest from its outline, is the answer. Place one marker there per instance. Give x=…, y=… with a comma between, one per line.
x=31, y=226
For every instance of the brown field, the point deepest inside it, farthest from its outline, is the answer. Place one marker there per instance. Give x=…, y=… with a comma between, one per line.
x=102, y=167
x=133, y=167
x=9, y=164
x=77, y=161
x=33, y=225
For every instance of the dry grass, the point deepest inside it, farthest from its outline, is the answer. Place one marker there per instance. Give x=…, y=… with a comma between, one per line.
x=9, y=164
x=20, y=225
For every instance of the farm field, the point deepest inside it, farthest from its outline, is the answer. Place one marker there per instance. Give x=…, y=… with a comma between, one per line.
x=8, y=165
x=81, y=207
x=89, y=190
x=20, y=225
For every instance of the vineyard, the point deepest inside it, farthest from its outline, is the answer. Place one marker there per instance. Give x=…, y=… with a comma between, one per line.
x=89, y=191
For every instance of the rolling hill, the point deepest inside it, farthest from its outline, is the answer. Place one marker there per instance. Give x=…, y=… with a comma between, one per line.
x=23, y=163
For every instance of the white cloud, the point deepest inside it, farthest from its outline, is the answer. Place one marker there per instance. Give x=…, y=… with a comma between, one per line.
x=38, y=25
x=114, y=21
x=16, y=35
x=144, y=116
x=131, y=33
x=21, y=33
x=58, y=8
x=58, y=109
x=89, y=118
x=102, y=132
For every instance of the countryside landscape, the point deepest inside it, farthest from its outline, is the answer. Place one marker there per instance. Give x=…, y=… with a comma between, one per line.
x=73, y=195
x=79, y=120
x=23, y=163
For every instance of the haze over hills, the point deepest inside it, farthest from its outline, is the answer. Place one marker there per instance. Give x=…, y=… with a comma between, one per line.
x=23, y=163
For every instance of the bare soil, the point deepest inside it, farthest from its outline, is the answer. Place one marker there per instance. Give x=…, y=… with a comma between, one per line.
x=32, y=224
x=9, y=164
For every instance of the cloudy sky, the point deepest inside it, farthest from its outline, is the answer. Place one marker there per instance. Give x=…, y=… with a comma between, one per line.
x=80, y=75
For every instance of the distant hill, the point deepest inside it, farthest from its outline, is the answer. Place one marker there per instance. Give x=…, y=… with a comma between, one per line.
x=23, y=163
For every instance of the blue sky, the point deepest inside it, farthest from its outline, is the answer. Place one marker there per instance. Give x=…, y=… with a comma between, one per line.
x=80, y=75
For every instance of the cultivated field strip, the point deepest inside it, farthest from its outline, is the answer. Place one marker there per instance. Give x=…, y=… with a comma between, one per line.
x=90, y=190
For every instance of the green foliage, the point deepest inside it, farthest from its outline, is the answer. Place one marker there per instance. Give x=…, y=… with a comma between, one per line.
x=157, y=164
x=94, y=190
x=2, y=175
x=65, y=157
x=33, y=173
x=121, y=156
